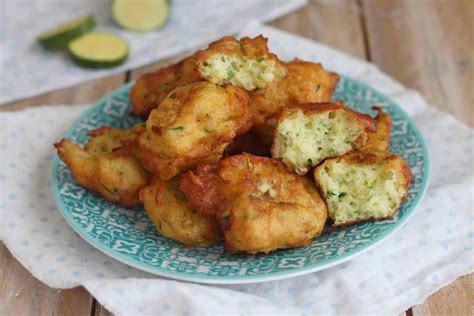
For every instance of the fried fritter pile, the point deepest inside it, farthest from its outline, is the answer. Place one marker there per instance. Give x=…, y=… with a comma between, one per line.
x=229, y=134
x=117, y=177
x=248, y=64
x=260, y=206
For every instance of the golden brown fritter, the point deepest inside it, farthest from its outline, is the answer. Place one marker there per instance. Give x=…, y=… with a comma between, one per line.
x=309, y=133
x=245, y=63
x=151, y=88
x=260, y=206
x=305, y=82
x=118, y=178
x=174, y=218
x=192, y=125
x=363, y=185
x=380, y=140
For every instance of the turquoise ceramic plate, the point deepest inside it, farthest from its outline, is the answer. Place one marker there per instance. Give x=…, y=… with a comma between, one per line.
x=130, y=237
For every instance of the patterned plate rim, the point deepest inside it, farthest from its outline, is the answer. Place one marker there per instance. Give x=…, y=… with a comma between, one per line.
x=253, y=278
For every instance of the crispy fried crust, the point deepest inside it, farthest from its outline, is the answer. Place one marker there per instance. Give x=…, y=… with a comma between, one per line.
x=175, y=218
x=380, y=140
x=266, y=207
x=260, y=206
x=118, y=178
x=306, y=82
x=391, y=162
x=150, y=89
x=312, y=108
x=193, y=125
x=201, y=188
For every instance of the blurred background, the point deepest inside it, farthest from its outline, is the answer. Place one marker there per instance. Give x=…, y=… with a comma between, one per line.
x=184, y=25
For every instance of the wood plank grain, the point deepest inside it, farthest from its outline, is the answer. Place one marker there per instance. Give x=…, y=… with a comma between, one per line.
x=454, y=299
x=22, y=294
x=428, y=46
x=335, y=23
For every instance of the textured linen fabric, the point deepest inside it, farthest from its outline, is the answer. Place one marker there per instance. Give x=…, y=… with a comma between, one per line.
x=431, y=250
x=191, y=24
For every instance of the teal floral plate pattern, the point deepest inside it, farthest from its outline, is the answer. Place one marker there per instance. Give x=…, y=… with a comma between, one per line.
x=130, y=237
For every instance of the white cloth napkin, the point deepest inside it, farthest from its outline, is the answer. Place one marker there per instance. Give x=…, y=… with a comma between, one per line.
x=32, y=70
x=430, y=251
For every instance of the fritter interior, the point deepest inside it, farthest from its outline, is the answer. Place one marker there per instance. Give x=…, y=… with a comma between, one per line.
x=246, y=63
x=362, y=186
x=306, y=135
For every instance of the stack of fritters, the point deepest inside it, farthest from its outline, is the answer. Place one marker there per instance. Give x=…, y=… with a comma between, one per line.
x=230, y=135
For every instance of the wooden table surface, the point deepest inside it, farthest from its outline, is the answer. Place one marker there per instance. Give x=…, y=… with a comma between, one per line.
x=425, y=44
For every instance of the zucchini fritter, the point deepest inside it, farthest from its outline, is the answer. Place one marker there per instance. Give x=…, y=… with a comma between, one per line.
x=151, y=88
x=307, y=134
x=192, y=125
x=245, y=63
x=175, y=218
x=259, y=204
x=364, y=185
x=306, y=82
x=380, y=140
x=117, y=177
